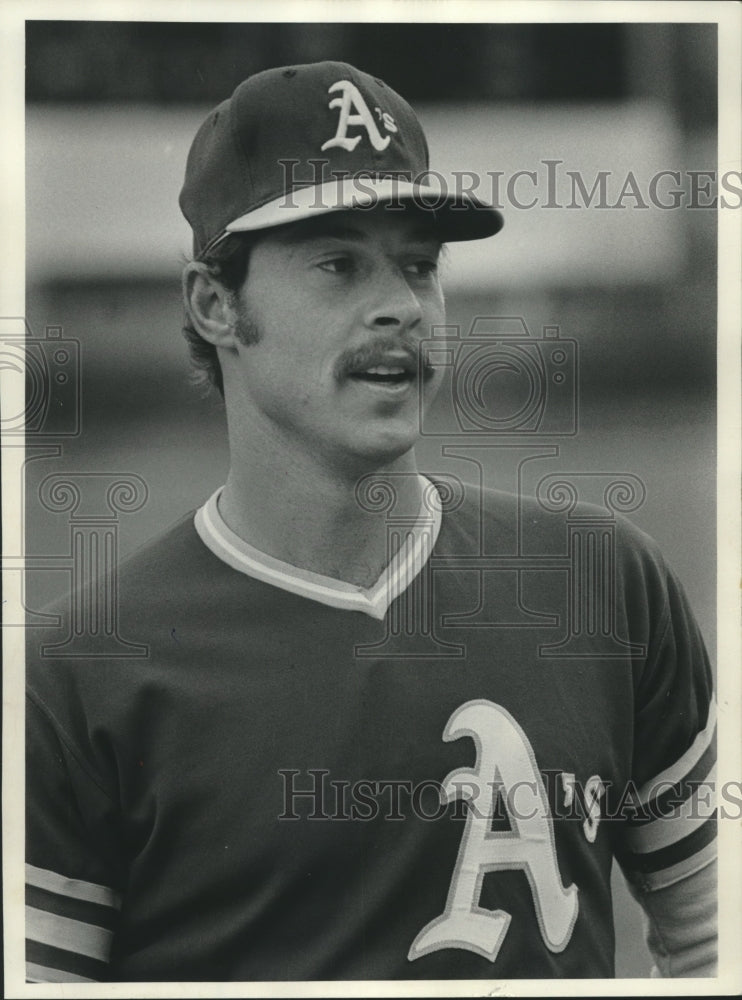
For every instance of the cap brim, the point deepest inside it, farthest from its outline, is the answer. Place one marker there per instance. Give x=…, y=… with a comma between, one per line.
x=458, y=216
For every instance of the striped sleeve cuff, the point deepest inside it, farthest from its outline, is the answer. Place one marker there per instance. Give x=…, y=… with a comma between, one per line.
x=69, y=927
x=673, y=834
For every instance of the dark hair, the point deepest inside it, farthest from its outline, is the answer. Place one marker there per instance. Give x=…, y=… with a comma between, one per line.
x=227, y=262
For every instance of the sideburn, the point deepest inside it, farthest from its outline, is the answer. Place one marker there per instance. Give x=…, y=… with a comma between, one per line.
x=246, y=329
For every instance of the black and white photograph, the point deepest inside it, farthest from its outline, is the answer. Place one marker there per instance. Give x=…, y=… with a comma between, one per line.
x=371, y=472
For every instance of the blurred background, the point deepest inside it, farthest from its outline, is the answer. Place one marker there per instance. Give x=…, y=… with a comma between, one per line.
x=111, y=111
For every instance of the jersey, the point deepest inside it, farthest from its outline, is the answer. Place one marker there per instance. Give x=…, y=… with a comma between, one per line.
x=427, y=779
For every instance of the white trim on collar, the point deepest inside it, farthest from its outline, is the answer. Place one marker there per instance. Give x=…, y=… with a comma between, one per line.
x=374, y=601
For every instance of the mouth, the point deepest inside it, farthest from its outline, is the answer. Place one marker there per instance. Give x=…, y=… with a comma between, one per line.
x=387, y=376
x=385, y=367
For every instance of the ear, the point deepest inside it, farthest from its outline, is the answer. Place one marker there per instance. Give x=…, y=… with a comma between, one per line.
x=208, y=305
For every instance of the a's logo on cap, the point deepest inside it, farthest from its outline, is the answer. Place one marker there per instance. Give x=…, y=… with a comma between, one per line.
x=351, y=98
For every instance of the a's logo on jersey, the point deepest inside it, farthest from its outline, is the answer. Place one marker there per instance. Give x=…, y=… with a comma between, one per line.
x=504, y=756
x=593, y=793
x=351, y=100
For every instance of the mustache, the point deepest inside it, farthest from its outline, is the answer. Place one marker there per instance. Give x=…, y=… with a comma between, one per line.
x=378, y=352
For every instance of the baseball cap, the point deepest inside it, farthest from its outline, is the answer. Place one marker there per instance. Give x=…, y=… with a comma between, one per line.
x=298, y=141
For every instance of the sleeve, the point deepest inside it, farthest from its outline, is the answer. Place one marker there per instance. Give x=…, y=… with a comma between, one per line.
x=72, y=887
x=667, y=840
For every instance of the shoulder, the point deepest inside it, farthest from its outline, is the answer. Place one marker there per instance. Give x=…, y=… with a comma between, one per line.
x=164, y=556
x=172, y=569
x=107, y=624
x=550, y=532
x=538, y=522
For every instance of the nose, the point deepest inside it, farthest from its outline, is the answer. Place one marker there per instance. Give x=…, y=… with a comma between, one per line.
x=393, y=305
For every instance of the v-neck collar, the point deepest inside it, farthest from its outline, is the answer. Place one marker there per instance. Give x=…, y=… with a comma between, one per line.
x=411, y=557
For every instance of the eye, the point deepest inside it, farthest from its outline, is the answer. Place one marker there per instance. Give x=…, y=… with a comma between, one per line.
x=423, y=268
x=338, y=265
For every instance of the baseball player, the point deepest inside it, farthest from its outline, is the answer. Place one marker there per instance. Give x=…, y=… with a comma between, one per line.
x=372, y=738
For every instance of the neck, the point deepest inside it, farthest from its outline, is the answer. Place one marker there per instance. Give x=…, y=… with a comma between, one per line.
x=318, y=518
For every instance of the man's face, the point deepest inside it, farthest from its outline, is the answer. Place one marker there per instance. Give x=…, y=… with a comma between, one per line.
x=339, y=305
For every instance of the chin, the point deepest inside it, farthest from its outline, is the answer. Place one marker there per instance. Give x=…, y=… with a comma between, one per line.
x=380, y=450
